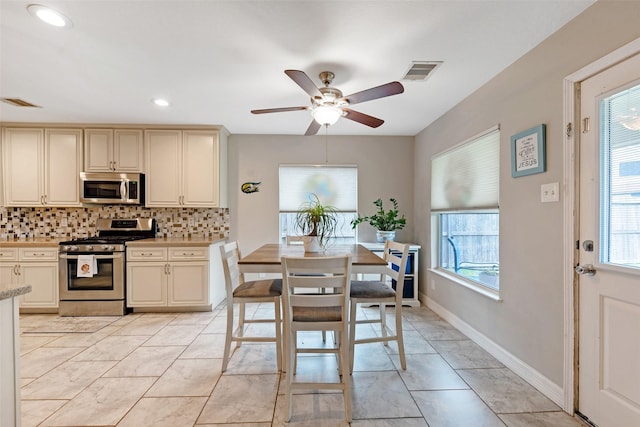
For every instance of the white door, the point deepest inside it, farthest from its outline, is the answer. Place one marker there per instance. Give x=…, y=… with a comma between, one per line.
x=609, y=300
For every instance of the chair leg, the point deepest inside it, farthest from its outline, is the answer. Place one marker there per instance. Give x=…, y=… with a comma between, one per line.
x=400, y=338
x=383, y=322
x=241, y=318
x=278, y=325
x=290, y=365
x=352, y=334
x=345, y=377
x=228, y=337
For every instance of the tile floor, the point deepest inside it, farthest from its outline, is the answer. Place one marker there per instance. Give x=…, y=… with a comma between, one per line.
x=163, y=369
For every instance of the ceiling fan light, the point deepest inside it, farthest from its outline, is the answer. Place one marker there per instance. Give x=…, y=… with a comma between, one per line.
x=326, y=115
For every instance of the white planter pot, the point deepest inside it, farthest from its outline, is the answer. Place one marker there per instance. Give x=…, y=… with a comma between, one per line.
x=383, y=236
x=311, y=244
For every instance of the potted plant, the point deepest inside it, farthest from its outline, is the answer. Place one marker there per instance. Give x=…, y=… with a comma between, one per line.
x=316, y=221
x=386, y=222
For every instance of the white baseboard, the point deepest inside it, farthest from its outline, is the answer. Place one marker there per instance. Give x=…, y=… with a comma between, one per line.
x=543, y=384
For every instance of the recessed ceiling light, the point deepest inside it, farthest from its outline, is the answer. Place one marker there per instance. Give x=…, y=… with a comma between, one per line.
x=160, y=102
x=50, y=16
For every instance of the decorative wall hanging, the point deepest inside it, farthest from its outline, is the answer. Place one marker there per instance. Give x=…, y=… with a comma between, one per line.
x=528, y=152
x=250, y=187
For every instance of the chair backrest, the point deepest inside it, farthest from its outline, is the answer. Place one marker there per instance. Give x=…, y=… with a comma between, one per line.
x=232, y=276
x=294, y=240
x=302, y=275
x=396, y=254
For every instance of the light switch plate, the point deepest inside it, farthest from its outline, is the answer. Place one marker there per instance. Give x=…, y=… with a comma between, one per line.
x=550, y=192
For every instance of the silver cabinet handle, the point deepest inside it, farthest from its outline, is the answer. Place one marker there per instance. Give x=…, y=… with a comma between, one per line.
x=587, y=269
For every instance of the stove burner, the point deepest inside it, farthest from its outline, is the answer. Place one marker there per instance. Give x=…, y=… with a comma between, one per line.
x=112, y=235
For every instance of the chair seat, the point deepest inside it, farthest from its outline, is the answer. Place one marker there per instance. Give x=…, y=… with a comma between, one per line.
x=259, y=288
x=317, y=314
x=370, y=289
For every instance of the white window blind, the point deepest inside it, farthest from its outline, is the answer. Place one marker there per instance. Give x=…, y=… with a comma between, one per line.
x=620, y=178
x=467, y=176
x=336, y=186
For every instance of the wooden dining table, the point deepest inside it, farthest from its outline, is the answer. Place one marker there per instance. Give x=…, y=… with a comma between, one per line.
x=267, y=258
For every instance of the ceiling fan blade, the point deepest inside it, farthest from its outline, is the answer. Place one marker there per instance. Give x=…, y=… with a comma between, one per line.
x=365, y=119
x=278, y=110
x=313, y=128
x=381, y=91
x=302, y=80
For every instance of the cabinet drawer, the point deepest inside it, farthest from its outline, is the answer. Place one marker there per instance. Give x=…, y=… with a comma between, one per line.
x=146, y=254
x=200, y=253
x=39, y=254
x=8, y=254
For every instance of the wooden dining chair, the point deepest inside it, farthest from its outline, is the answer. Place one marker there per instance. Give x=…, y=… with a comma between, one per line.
x=241, y=292
x=305, y=310
x=380, y=292
x=299, y=241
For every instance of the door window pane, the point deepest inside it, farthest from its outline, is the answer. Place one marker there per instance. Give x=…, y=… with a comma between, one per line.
x=620, y=178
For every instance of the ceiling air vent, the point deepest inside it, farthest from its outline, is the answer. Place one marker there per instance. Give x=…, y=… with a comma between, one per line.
x=17, y=102
x=420, y=70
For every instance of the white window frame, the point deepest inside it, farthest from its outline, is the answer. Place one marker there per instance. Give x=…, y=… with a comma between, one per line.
x=435, y=225
x=347, y=213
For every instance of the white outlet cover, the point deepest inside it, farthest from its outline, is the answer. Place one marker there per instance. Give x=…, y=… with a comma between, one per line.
x=550, y=192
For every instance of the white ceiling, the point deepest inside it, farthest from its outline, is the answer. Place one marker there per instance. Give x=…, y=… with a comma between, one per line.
x=217, y=60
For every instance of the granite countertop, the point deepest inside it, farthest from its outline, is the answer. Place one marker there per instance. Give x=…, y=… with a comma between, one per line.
x=10, y=290
x=32, y=241
x=177, y=241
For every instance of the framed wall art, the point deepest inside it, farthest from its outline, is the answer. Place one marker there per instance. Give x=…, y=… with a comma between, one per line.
x=528, y=152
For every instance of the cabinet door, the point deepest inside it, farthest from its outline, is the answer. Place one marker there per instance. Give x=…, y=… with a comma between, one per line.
x=98, y=150
x=189, y=283
x=8, y=273
x=200, y=168
x=63, y=162
x=146, y=284
x=43, y=278
x=164, y=170
x=23, y=166
x=128, y=150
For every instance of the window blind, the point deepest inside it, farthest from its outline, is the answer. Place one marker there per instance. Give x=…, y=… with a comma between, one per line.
x=620, y=177
x=467, y=176
x=336, y=186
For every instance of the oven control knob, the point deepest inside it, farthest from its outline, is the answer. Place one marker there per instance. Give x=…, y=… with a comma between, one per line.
x=88, y=247
x=109, y=248
x=74, y=248
x=66, y=248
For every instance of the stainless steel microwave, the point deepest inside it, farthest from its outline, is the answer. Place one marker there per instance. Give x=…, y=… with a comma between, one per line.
x=112, y=188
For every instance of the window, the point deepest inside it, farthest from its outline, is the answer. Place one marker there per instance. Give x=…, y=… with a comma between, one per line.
x=465, y=211
x=620, y=179
x=334, y=185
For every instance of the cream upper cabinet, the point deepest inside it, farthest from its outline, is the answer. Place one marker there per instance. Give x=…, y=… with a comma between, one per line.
x=113, y=150
x=185, y=168
x=42, y=166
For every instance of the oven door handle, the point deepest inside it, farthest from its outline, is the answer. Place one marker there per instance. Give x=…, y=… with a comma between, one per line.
x=64, y=256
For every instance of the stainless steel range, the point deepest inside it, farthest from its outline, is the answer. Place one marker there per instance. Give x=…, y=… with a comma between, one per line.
x=92, y=270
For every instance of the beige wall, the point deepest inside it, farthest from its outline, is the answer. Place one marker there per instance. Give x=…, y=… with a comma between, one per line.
x=385, y=169
x=528, y=323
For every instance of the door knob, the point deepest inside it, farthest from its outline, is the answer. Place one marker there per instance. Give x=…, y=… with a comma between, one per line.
x=587, y=269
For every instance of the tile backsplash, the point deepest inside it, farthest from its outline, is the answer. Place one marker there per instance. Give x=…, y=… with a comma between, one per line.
x=22, y=223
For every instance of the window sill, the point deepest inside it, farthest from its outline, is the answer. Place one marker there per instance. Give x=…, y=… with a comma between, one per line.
x=484, y=291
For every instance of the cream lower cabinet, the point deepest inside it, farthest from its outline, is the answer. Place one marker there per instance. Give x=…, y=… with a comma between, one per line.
x=168, y=277
x=37, y=267
x=42, y=166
